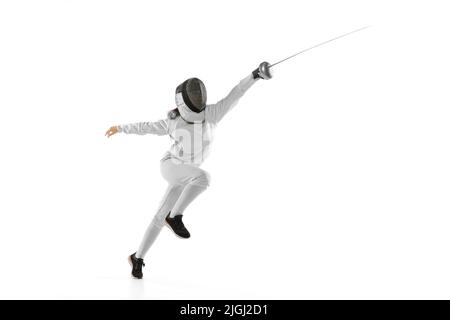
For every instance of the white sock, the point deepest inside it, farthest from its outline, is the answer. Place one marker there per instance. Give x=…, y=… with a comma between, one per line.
x=150, y=236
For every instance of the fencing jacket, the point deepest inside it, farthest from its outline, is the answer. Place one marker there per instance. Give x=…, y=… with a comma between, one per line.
x=191, y=133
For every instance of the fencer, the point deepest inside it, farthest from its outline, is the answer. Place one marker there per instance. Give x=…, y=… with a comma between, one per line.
x=190, y=126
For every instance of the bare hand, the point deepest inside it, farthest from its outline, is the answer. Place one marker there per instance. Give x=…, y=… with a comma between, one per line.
x=111, y=131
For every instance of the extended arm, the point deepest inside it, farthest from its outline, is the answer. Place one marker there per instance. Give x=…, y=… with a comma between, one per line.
x=214, y=113
x=159, y=128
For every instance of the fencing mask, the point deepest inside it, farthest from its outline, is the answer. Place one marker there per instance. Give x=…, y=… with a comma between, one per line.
x=193, y=93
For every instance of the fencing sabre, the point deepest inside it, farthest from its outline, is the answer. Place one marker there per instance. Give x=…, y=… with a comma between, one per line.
x=265, y=65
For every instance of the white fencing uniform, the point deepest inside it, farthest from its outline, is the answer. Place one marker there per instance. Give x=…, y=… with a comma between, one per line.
x=192, y=134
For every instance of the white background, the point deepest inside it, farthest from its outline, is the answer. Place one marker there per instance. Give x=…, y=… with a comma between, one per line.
x=329, y=181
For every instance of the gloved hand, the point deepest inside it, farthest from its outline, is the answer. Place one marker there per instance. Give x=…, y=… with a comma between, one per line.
x=263, y=71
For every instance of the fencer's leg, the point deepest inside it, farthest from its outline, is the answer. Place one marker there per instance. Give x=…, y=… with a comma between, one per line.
x=149, y=238
x=171, y=196
x=192, y=190
x=194, y=180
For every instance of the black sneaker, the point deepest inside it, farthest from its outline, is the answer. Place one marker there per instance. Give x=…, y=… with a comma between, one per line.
x=136, y=265
x=177, y=226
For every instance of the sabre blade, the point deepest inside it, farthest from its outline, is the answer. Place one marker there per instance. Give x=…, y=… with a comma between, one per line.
x=318, y=45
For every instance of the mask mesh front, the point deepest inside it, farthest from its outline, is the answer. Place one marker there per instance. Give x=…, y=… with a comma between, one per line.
x=196, y=92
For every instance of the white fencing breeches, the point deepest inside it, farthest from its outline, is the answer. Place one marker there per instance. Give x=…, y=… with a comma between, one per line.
x=186, y=182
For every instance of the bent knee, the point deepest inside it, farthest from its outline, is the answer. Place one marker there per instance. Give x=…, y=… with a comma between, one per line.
x=202, y=180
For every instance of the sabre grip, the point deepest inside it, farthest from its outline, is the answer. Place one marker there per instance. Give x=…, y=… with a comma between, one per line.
x=263, y=71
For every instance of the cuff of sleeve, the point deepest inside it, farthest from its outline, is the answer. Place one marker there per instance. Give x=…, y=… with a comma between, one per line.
x=119, y=129
x=255, y=74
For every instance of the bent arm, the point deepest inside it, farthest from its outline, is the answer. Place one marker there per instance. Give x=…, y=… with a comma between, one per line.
x=159, y=128
x=215, y=112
